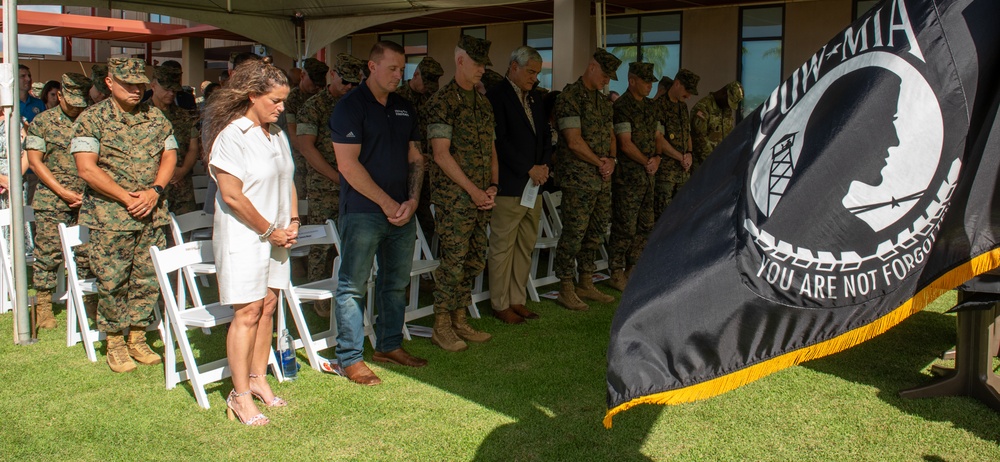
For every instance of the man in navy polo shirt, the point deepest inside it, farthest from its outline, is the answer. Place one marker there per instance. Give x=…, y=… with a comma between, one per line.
x=375, y=137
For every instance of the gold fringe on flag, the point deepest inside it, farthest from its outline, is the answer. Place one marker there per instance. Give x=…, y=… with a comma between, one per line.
x=719, y=385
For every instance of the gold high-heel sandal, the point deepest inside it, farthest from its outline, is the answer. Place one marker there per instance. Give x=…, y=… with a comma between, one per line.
x=255, y=421
x=275, y=402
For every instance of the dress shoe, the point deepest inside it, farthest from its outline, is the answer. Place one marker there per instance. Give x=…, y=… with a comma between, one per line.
x=399, y=356
x=508, y=316
x=524, y=312
x=359, y=373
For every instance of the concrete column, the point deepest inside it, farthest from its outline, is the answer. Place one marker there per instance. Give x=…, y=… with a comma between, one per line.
x=193, y=61
x=571, y=40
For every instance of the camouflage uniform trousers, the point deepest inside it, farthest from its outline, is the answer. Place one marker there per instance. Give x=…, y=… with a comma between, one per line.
x=463, y=247
x=424, y=215
x=585, y=216
x=48, y=250
x=322, y=206
x=180, y=197
x=665, y=191
x=127, y=289
x=301, y=168
x=631, y=222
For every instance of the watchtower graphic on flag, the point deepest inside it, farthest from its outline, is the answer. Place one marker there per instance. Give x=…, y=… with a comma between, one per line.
x=782, y=168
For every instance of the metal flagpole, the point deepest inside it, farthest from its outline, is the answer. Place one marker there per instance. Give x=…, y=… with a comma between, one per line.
x=12, y=113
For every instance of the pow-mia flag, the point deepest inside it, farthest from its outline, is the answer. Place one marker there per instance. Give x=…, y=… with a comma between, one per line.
x=859, y=192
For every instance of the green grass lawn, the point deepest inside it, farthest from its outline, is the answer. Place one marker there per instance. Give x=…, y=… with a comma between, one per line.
x=536, y=392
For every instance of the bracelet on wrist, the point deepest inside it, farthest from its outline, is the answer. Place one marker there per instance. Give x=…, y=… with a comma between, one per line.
x=295, y=220
x=270, y=229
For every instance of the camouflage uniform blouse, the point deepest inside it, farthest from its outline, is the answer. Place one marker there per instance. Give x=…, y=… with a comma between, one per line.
x=709, y=126
x=591, y=112
x=465, y=118
x=640, y=118
x=51, y=133
x=313, y=119
x=129, y=146
x=419, y=102
x=677, y=131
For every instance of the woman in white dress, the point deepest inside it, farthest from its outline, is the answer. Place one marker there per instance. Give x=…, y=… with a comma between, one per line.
x=256, y=221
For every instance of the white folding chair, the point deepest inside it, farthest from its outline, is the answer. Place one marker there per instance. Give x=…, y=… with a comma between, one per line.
x=180, y=320
x=78, y=327
x=324, y=289
x=7, y=295
x=193, y=222
x=423, y=263
x=302, y=250
x=77, y=322
x=547, y=240
x=199, y=195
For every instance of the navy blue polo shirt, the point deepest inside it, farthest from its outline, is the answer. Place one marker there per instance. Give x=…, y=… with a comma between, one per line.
x=384, y=133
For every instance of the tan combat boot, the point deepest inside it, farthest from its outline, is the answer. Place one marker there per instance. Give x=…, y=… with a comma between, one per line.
x=618, y=280
x=444, y=336
x=43, y=311
x=138, y=349
x=586, y=290
x=118, y=358
x=464, y=330
x=568, y=298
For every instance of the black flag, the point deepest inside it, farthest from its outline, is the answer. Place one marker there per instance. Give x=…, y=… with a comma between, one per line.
x=860, y=191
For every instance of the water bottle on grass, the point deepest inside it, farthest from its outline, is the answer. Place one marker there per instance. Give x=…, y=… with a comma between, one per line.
x=286, y=349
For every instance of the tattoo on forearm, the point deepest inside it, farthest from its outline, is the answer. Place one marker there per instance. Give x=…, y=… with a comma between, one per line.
x=415, y=179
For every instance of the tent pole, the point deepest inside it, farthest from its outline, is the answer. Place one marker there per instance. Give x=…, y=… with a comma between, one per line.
x=22, y=316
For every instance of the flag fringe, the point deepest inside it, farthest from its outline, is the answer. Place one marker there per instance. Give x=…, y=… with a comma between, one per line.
x=717, y=386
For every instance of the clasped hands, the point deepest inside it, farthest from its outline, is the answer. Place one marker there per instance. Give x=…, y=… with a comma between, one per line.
x=606, y=168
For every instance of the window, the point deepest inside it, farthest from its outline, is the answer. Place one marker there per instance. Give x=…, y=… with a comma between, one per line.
x=539, y=37
x=761, y=31
x=862, y=6
x=477, y=32
x=38, y=44
x=414, y=45
x=652, y=38
x=162, y=19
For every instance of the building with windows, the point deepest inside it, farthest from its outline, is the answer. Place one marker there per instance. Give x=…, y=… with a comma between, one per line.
x=754, y=41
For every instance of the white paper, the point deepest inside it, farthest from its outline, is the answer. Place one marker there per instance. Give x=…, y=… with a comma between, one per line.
x=312, y=232
x=529, y=195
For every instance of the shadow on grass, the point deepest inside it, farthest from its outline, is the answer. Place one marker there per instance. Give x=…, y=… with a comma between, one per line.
x=548, y=376
x=894, y=361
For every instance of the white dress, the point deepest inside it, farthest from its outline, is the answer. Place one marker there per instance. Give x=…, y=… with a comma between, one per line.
x=246, y=266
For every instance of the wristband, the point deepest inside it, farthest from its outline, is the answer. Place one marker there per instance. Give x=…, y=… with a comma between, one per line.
x=267, y=234
x=295, y=220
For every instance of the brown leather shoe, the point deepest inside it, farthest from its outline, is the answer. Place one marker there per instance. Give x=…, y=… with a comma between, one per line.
x=508, y=316
x=524, y=312
x=399, y=356
x=359, y=373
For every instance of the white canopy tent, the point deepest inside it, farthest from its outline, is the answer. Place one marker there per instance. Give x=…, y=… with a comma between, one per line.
x=274, y=23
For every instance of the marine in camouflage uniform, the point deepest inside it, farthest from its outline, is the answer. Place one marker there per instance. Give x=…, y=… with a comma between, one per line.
x=313, y=80
x=126, y=157
x=461, y=131
x=180, y=191
x=418, y=91
x=712, y=119
x=322, y=178
x=639, y=131
x=584, y=174
x=59, y=192
x=677, y=130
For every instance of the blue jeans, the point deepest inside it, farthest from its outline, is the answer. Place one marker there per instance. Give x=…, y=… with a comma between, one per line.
x=365, y=237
